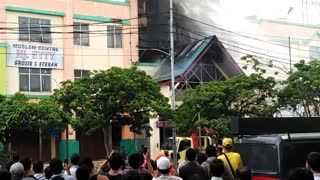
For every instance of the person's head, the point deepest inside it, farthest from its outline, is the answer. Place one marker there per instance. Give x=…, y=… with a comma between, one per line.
x=56, y=166
x=83, y=172
x=132, y=175
x=135, y=160
x=301, y=174
x=191, y=154
x=75, y=158
x=87, y=161
x=38, y=167
x=27, y=163
x=164, y=165
x=115, y=161
x=16, y=171
x=15, y=158
x=211, y=151
x=227, y=143
x=202, y=157
x=166, y=153
x=217, y=168
x=313, y=161
x=243, y=173
x=47, y=172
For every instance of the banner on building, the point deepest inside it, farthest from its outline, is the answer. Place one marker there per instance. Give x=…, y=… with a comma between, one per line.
x=24, y=54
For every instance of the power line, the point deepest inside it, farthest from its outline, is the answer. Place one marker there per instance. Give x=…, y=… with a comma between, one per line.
x=239, y=34
x=113, y=20
x=250, y=50
x=207, y=29
x=29, y=54
x=72, y=32
x=232, y=32
x=245, y=53
x=17, y=39
x=294, y=55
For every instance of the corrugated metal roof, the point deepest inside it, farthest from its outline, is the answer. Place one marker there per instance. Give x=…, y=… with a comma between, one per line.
x=190, y=54
x=183, y=61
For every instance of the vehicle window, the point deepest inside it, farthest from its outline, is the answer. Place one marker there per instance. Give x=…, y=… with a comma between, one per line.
x=168, y=144
x=258, y=157
x=294, y=153
x=184, y=144
x=204, y=141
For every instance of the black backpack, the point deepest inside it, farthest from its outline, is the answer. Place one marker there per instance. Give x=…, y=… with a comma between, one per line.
x=57, y=178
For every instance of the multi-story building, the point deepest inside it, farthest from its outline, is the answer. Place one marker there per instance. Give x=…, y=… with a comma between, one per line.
x=45, y=42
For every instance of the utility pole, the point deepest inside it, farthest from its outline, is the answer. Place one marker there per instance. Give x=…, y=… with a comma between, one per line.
x=173, y=99
x=67, y=141
x=289, y=40
x=40, y=143
x=200, y=138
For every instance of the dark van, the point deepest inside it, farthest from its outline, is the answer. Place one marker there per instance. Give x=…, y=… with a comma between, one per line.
x=272, y=156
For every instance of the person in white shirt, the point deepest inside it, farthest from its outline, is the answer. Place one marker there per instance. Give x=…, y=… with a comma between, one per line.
x=313, y=164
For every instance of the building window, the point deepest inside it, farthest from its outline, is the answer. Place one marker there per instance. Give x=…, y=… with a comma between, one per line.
x=114, y=36
x=79, y=73
x=81, y=34
x=36, y=80
x=34, y=30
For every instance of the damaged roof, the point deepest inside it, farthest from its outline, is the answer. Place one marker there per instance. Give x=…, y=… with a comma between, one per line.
x=192, y=54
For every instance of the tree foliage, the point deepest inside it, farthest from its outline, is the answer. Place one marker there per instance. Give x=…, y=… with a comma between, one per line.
x=218, y=101
x=301, y=91
x=17, y=113
x=113, y=97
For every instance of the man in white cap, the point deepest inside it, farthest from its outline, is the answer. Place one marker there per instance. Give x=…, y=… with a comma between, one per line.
x=16, y=171
x=164, y=166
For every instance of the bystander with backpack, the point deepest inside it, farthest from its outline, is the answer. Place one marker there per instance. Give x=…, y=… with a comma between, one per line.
x=38, y=170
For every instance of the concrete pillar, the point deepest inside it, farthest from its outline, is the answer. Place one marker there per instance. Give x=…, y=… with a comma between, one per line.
x=154, y=139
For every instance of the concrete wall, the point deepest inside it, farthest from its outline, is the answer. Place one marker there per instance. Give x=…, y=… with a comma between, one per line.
x=3, y=64
x=96, y=56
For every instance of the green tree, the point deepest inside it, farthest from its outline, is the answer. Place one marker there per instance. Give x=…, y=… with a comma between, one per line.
x=46, y=114
x=17, y=113
x=218, y=101
x=11, y=116
x=301, y=91
x=111, y=98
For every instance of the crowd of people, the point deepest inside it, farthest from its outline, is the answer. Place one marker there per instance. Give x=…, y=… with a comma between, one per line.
x=208, y=165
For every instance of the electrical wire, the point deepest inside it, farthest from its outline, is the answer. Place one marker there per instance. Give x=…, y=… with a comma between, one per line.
x=249, y=50
x=242, y=35
x=208, y=29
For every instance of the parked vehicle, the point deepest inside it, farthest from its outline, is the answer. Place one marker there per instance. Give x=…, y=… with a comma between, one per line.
x=271, y=154
x=183, y=143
